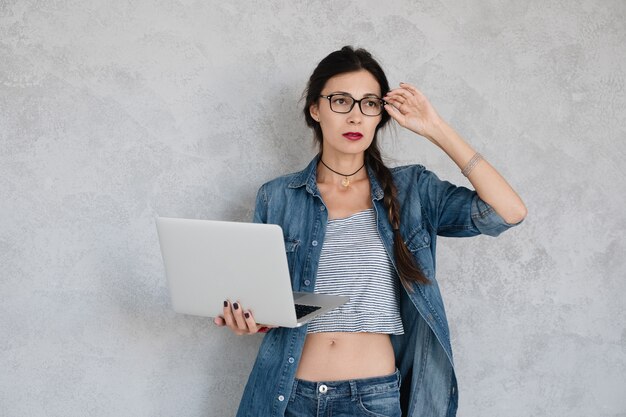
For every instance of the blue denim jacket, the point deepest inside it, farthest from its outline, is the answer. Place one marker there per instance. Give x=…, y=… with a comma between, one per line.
x=429, y=207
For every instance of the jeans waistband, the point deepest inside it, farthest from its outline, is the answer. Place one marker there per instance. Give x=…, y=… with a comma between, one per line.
x=348, y=387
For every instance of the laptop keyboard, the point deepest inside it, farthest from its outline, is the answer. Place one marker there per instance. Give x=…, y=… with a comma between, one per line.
x=302, y=310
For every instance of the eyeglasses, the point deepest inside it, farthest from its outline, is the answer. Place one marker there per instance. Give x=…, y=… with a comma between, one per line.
x=343, y=103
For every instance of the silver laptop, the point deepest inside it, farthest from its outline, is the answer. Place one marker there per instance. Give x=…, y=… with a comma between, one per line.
x=209, y=261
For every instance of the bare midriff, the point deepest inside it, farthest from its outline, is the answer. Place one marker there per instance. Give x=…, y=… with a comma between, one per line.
x=335, y=356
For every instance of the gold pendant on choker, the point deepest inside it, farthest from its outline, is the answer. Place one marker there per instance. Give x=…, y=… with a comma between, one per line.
x=345, y=181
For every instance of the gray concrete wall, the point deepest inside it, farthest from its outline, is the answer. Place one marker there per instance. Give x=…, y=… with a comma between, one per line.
x=114, y=112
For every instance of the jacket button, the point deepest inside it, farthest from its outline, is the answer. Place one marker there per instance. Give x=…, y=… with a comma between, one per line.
x=281, y=398
x=322, y=208
x=291, y=360
x=307, y=282
x=314, y=243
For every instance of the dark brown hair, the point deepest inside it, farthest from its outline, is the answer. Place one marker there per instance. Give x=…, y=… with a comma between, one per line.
x=347, y=59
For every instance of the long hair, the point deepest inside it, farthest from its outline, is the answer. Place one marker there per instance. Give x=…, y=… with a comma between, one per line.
x=347, y=59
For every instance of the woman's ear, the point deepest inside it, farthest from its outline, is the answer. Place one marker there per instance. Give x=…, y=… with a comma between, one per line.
x=315, y=112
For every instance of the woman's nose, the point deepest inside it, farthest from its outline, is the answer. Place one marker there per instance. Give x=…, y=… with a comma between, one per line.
x=355, y=114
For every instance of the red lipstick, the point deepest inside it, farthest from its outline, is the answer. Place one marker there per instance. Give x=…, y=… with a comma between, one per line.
x=352, y=135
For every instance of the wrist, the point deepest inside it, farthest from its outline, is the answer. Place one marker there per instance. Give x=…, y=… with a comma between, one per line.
x=439, y=133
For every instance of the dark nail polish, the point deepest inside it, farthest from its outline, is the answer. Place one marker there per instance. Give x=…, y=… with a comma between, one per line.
x=235, y=306
x=225, y=303
x=247, y=315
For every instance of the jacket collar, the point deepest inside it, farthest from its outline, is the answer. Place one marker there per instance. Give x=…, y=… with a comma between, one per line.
x=308, y=177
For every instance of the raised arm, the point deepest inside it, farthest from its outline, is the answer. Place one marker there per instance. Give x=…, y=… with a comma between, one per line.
x=412, y=110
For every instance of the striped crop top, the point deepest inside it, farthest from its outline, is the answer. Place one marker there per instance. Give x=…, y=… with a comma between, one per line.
x=354, y=263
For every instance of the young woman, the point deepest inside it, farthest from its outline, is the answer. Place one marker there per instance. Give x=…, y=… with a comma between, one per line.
x=355, y=227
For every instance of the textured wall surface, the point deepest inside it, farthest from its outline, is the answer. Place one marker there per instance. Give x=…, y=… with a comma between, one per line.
x=114, y=112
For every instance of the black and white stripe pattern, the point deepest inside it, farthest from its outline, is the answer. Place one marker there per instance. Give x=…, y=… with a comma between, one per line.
x=354, y=262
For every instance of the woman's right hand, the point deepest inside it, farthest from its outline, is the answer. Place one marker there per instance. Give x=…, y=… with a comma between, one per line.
x=241, y=322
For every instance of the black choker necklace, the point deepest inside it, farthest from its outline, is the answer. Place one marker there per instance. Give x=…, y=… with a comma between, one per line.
x=345, y=182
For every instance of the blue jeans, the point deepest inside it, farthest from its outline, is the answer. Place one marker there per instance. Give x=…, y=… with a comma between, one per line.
x=367, y=397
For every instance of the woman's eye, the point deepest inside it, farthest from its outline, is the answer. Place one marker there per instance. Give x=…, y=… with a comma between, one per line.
x=339, y=101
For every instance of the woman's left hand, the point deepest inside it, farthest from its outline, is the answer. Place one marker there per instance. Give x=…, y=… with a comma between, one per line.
x=412, y=110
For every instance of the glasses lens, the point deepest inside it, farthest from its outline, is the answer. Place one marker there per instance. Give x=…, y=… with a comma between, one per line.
x=341, y=103
x=372, y=106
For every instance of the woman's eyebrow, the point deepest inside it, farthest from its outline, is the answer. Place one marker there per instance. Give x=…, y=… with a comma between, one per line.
x=346, y=93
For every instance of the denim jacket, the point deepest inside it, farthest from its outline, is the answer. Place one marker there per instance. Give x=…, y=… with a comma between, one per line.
x=429, y=207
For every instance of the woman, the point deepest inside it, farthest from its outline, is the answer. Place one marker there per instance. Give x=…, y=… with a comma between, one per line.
x=355, y=227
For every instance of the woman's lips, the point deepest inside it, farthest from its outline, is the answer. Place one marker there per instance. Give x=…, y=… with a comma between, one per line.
x=352, y=135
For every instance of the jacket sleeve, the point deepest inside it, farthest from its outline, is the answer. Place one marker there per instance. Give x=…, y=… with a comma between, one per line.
x=260, y=209
x=457, y=211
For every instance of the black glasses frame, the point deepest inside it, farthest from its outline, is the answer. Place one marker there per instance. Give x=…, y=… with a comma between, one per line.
x=354, y=101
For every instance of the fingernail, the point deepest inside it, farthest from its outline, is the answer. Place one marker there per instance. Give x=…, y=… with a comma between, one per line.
x=225, y=303
x=247, y=315
x=235, y=306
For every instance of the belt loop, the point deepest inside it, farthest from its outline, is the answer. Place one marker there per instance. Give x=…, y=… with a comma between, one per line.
x=292, y=396
x=354, y=393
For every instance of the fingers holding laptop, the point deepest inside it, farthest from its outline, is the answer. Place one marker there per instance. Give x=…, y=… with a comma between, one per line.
x=238, y=320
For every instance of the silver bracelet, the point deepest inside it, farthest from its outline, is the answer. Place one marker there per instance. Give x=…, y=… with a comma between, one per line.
x=471, y=164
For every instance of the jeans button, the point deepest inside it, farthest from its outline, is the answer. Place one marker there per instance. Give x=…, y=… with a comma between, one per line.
x=323, y=389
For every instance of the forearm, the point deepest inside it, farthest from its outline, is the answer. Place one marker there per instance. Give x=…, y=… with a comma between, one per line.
x=488, y=183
